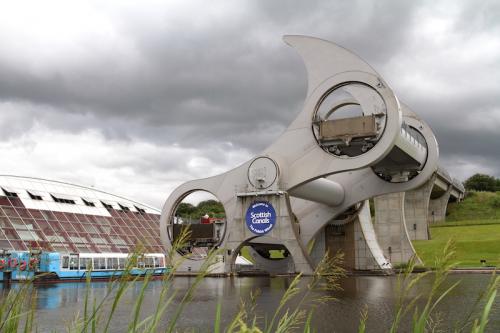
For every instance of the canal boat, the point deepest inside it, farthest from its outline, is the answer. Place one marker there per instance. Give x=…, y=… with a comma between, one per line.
x=55, y=266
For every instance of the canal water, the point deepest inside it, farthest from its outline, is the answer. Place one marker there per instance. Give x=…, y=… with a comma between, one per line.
x=58, y=304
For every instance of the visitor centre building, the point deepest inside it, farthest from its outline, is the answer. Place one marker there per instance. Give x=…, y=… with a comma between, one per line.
x=60, y=217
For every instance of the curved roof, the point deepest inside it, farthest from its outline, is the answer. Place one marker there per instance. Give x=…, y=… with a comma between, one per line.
x=43, y=194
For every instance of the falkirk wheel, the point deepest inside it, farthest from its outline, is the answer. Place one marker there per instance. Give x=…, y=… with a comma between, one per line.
x=308, y=192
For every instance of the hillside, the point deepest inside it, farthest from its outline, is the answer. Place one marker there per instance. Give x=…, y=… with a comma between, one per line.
x=474, y=225
x=476, y=206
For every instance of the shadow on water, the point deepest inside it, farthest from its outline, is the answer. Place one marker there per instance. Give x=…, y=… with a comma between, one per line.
x=57, y=304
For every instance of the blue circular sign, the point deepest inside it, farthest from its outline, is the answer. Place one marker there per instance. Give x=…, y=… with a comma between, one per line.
x=260, y=217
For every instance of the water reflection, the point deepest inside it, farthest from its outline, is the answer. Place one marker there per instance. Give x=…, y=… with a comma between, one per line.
x=58, y=304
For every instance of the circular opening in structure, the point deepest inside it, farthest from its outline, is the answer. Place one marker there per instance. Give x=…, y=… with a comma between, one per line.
x=263, y=255
x=350, y=119
x=198, y=225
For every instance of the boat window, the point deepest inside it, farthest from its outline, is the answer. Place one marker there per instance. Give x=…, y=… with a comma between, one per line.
x=73, y=263
x=150, y=263
x=110, y=262
x=121, y=263
x=161, y=262
x=99, y=263
x=82, y=264
x=113, y=263
x=65, y=262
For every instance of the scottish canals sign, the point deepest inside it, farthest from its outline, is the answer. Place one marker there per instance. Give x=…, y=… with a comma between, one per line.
x=260, y=217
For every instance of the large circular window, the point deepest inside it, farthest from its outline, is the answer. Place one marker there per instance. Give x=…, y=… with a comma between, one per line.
x=199, y=224
x=350, y=119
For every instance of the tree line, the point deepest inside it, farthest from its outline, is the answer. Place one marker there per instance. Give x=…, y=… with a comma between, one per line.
x=211, y=207
x=482, y=182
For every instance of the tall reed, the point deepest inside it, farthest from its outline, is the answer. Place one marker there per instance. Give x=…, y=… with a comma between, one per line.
x=295, y=311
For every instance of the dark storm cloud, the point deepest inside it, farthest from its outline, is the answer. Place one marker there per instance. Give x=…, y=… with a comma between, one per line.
x=234, y=79
x=220, y=77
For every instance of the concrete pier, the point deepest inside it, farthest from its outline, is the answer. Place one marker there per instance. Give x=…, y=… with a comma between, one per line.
x=390, y=228
x=438, y=206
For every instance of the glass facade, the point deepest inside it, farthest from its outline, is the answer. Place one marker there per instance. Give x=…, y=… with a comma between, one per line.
x=68, y=223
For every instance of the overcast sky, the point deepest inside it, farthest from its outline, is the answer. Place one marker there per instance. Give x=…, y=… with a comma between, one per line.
x=137, y=97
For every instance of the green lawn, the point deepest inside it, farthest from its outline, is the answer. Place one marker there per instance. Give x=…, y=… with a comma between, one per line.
x=466, y=222
x=473, y=243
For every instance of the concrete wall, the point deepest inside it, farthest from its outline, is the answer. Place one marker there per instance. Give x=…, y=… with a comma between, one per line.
x=390, y=228
x=284, y=232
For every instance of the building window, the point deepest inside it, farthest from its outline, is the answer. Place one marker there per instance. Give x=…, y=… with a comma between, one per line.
x=140, y=210
x=88, y=203
x=62, y=200
x=117, y=240
x=107, y=206
x=34, y=196
x=10, y=194
x=124, y=208
x=98, y=240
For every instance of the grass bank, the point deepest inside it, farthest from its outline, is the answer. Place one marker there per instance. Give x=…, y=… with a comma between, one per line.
x=473, y=242
x=476, y=206
x=474, y=225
